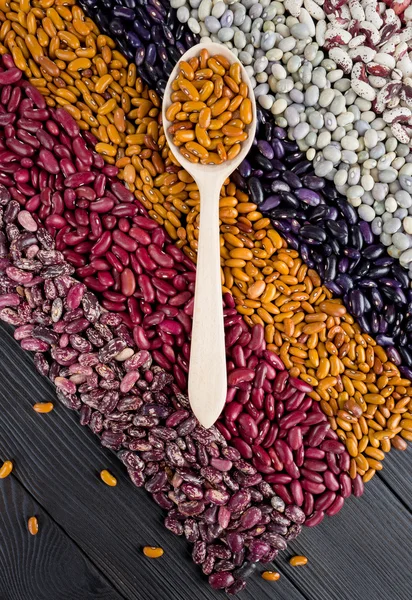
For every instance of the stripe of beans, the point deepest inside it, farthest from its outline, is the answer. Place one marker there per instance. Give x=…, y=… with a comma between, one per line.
x=235, y=510
x=149, y=34
x=118, y=288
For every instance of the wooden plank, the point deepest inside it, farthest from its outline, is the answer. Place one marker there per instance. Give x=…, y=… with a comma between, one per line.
x=46, y=566
x=361, y=553
x=397, y=474
x=58, y=461
x=351, y=556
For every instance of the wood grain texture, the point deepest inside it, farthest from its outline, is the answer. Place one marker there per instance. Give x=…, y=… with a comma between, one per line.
x=48, y=565
x=397, y=474
x=59, y=463
x=361, y=554
x=351, y=556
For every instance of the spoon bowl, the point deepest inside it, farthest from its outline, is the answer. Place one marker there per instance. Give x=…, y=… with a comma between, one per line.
x=207, y=367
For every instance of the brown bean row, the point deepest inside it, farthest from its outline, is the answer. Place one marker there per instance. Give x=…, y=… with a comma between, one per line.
x=65, y=57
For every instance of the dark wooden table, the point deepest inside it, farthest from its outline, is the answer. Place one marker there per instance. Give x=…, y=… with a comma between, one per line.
x=90, y=537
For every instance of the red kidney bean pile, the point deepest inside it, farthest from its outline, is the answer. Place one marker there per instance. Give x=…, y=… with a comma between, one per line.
x=238, y=491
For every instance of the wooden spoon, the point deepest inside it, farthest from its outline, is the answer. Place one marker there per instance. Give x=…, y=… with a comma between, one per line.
x=207, y=367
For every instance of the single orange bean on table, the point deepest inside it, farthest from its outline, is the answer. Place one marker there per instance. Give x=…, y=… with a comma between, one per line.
x=108, y=478
x=153, y=551
x=270, y=575
x=6, y=469
x=43, y=407
x=298, y=561
x=33, y=525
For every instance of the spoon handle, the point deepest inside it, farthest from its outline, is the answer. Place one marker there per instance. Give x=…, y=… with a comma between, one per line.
x=207, y=368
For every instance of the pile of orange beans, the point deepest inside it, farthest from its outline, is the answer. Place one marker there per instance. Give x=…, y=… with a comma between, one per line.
x=210, y=109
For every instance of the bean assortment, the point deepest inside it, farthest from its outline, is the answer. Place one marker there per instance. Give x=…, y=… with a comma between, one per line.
x=310, y=469
x=330, y=360
x=314, y=401
x=238, y=284
x=210, y=109
x=220, y=501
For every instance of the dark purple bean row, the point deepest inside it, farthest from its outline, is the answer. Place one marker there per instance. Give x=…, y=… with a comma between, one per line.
x=147, y=32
